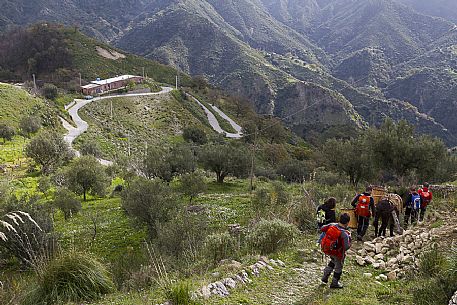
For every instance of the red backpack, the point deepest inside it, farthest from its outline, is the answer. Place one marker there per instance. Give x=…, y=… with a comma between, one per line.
x=425, y=197
x=363, y=206
x=329, y=243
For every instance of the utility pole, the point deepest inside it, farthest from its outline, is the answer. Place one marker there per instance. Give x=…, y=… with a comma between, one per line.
x=254, y=148
x=34, y=84
x=176, y=82
x=143, y=72
x=128, y=139
x=111, y=110
x=80, y=82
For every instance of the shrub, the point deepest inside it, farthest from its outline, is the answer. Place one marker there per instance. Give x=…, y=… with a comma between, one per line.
x=304, y=216
x=29, y=124
x=279, y=195
x=90, y=148
x=150, y=202
x=261, y=200
x=179, y=293
x=67, y=202
x=6, y=132
x=50, y=91
x=439, y=284
x=432, y=262
x=182, y=237
x=293, y=170
x=220, y=246
x=72, y=277
x=195, y=135
x=268, y=236
x=192, y=185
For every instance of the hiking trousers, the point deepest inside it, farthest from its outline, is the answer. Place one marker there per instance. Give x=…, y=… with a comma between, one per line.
x=335, y=265
x=362, y=225
x=410, y=213
x=386, y=220
x=422, y=213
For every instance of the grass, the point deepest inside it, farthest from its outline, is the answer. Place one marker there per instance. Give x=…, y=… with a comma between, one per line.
x=15, y=103
x=152, y=120
x=115, y=233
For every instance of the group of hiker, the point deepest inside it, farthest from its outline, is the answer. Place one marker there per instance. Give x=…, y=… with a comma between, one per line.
x=335, y=238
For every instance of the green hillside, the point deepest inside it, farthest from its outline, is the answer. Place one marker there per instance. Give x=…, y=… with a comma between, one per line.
x=141, y=122
x=58, y=54
x=16, y=103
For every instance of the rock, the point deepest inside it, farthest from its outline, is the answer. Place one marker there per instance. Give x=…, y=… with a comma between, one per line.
x=408, y=259
x=367, y=274
x=369, y=246
x=376, y=265
x=215, y=274
x=229, y=282
x=369, y=260
x=384, y=250
x=392, y=261
x=280, y=263
x=362, y=252
x=383, y=277
x=378, y=248
x=379, y=256
x=360, y=260
x=206, y=292
x=230, y=264
x=392, y=275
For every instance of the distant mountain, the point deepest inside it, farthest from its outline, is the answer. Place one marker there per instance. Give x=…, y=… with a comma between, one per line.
x=359, y=61
x=446, y=9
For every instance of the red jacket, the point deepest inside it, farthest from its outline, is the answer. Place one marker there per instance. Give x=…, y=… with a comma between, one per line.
x=425, y=200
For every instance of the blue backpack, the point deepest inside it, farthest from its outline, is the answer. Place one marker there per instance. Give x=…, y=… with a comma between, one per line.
x=416, y=200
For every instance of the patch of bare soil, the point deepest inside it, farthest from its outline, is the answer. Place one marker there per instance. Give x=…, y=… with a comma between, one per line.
x=110, y=54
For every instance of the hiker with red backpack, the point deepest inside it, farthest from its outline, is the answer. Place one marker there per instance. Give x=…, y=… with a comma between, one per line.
x=412, y=207
x=364, y=208
x=335, y=240
x=426, y=197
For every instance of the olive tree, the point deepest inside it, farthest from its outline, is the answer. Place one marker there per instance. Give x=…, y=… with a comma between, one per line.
x=192, y=184
x=86, y=175
x=151, y=202
x=225, y=159
x=49, y=150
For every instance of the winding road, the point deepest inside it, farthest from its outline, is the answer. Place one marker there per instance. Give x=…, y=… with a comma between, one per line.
x=82, y=126
x=215, y=123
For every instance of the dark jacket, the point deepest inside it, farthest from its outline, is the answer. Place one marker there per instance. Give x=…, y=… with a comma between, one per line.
x=330, y=214
x=409, y=199
x=344, y=241
x=356, y=200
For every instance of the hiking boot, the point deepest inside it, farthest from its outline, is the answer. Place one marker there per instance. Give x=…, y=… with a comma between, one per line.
x=336, y=281
x=336, y=285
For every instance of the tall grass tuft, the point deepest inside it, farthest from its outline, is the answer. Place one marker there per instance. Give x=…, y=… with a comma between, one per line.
x=179, y=293
x=436, y=286
x=72, y=277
